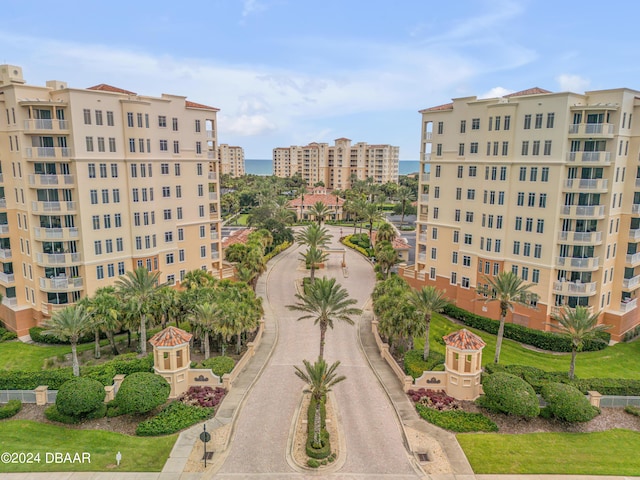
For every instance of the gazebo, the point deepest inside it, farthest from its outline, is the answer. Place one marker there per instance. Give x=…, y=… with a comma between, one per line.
x=172, y=358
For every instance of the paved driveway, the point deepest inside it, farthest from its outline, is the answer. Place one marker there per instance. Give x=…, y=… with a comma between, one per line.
x=374, y=446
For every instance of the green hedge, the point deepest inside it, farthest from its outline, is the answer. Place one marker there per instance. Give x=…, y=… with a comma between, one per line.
x=6, y=335
x=567, y=403
x=633, y=410
x=457, y=420
x=80, y=397
x=10, y=408
x=414, y=365
x=325, y=450
x=276, y=250
x=37, y=336
x=218, y=365
x=549, y=341
x=509, y=394
x=173, y=418
x=367, y=252
x=141, y=392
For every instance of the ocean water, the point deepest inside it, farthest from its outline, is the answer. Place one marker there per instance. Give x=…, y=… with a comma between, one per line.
x=265, y=167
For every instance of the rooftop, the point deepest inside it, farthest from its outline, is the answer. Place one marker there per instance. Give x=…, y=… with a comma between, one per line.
x=170, y=337
x=464, y=340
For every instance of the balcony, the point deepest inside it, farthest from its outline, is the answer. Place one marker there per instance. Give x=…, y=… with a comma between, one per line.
x=60, y=284
x=5, y=253
x=213, y=235
x=213, y=196
x=55, y=233
x=61, y=207
x=7, y=277
x=211, y=134
x=215, y=255
x=212, y=176
x=50, y=125
x=638, y=182
x=593, y=185
x=598, y=158
x=557, y=310
x=48, y=180
x=590, y=263
x=635, y=208
x=1, y=177
x=55, y=259
x=583, y=211
x=422, y=238
x=574, y=288
x=3, y=203
x=627, y=306
x=634, y=235
x=47, y=152
x=422, y=257
x=424, y=198
x=428, y=136
x=597, y=130
x=9, y=301
x=589, y=238
x=631, y=282
x=4, y=229
x=632, y=259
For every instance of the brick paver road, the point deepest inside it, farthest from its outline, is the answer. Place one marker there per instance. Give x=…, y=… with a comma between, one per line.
x=374, y=444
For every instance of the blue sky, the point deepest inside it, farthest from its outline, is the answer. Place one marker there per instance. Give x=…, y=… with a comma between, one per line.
x=289, y=72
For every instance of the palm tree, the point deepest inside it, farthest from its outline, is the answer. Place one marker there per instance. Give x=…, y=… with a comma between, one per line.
x=404, y=195
x=197, y=278
x=326, y=301
x=508, y=289
x=96, y=327
x=104, y=307
x=386, y=257
x=427, y=301
x=70, y=324
x=319, y=211
x=320, y=380
x=312, y=257
x=166, y=304
x=579, y=325
x=138, y=290
x=313, y=236
x=371, y=214
x=204, y=318
x=385, y=233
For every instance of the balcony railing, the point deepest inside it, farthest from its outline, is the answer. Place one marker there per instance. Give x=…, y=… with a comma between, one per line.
x=3, y=203
x=47, y=152
x=635, y=208
x=592, y=129
x=628, y=306
x=211, y=134
x=422, y=257
x=428, y=136
x=55, y=233
x=61, y=283
x=423, y=238
x=39, y=180
x=212, y=175
x=632, y=258
x=213, y=196
x=9, y=301
x=577, y=262
x=586, y=184
x=1, y=177
x=574, y=288
x=589, y=157
x=7, y=277
x=556, y=310
x=5, y=253
x=424, y=198
x=63, y=207
x=45, y=124
x=587, y=211
x=631, y=282
x=4, y=229
x=580, y=237
x=58, y=258
x=634, y=235
x=215, y=255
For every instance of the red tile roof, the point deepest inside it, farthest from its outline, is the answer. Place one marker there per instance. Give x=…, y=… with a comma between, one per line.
x=237, y=236
x=189, y=104
x=530, y=91
x=311, y=198
x=103, y=87
x=464, y=340
x=170, y=337
x=397, y=244
x=446, y=106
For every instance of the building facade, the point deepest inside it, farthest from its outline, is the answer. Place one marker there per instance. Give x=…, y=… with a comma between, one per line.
x=546, y=185
x=231, y=160
x=96, y=182
x=336, y=166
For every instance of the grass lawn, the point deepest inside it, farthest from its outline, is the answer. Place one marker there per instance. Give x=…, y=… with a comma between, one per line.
x=22, y=356
x=614, y=452
x=240, y=220
x=618, y=361
x=139, y=454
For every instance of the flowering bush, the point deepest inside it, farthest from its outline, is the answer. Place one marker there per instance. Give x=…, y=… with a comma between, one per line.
x=203, y=396
x=435, y=399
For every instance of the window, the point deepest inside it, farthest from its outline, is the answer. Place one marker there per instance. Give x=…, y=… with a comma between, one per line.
x=465, y=282
x=525, y=148
x=117, y=220
x=456, y=236
x=87, y=116
x=526, y=250
x=454, y=277
x=529, y=224
x=432, y=273
x=110, y=122
x=120, y=268
x=164, y=169
x=461, y=150
x=533, y=176
x=543, y=200
x=460, y=171
x=527, y=122
x=434, y=253
x=497, y=246
x=132, y=145
x=99, y=272
x=198, y=148
x=469, y=217
x=497, y=123
x=472, y=171
x=105, y=195
x=167, y=214
x=163, y=146
x=139, y=117
x=199, y=169
x=168, y=237
x=518, y=225
x=495, y=148
x=180, y=234
x=439, y=149
x=458, y=193
x=129, y=119
x=108, y=246
x=135, y=195
x=454, y=258
x=440, y=128
x=550, y=119
x=535, y=276
x=197, y=126
x=523, y=174
x=174, y=124
x=525, y=273
x=490, y=123
x=537, y=250
x=505, y=149
x=547, y=147
x=119, y=244
x=203, y=251
x=95, y=219
x=136, y=219
x=494, y=173
x=514, y=269
x=473, y=147
x=499, y=222
x=475, y=124
x=92, y=170
x=538, y=120
x=89, y=142
x=540, y=226
x=145, y=217
x=500, y=198
x=101, y=144
x=536, y=147
x=516, y=247
x=107, y=220
x=471, y=194
x=166, y=192
x=169, y=258
x=468, y=239
x=437, y=171
x=457, y=215
x=201, y=191
x=176, y=146
x=97, y=246
x=178, y=191
x=114, y=170
x=144, y=195
x=466, y=260
x=110, y=270
x=141, y=145
x=203, y=232
x=116, y=195
x=201, y=211
x=507, y=122
x=520, y=199
x=532, y=200
x=147, y=241
x=435, y=212
x=94, y=196
x=545, y=174
x=162, y=121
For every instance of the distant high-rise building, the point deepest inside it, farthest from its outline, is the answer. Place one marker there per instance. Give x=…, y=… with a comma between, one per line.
x=545, y=185
x=231, y=160
x=96, y=182
x=336, y=166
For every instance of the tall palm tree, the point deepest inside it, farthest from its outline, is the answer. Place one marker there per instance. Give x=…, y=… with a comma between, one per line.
x=197, y=278
x=96, y=327
x=427, y=301
x=138, y=289
x=579, y=325
x=371, y=214
x=320, y=380
x=104, y=308
x=325, y=301
x=70, y=324
x=508, y=289
x=312, y=257
x=319, y=211
x=386, y=257
x=204, y=318
x=404, y=195
x=385, y=233
x=313, y=236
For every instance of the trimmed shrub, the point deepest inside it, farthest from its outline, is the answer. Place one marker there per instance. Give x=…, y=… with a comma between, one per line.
x=52, y=413
x=633, y=410
x=37, y=336
x=219, y=365
x=567, y=403
x=457, y=420
x=276, y=250
x=533, y=376
x=141, y=392
x=367, y=252
x=174, y=417
x=10, y=408
x=6, y=335
x=325, y=450
x=550, y=341
x=414, y=365
x=129, y=363
x=608, y=386
x=80, y=397
x=313, y=463
x=509, y=394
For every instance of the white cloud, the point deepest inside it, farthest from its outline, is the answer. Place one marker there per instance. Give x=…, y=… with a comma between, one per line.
x=250, y=7
x=246, y=125
x=572, y=83
x=496, y=92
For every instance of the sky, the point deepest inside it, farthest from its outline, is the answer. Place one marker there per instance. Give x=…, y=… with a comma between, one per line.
x=291, y=72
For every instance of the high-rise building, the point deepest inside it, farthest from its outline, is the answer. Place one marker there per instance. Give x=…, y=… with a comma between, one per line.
x=96, y=182
x=231, y=160
x=336, y=166
x=546, y=185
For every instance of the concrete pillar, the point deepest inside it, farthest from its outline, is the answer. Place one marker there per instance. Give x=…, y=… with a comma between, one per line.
x=374, y=326
x=226, y=382
x=109, y=393
x=41, y=395
x=251, y=350
x=594, y=398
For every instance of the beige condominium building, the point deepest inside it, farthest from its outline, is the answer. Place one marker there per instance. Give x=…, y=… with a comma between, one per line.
x=336, y=165
x=231, y=160
x=546, y=185
x=96, y=182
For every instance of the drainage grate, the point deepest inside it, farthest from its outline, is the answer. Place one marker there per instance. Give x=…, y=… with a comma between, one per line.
x=423, y=457
x=207, y=456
